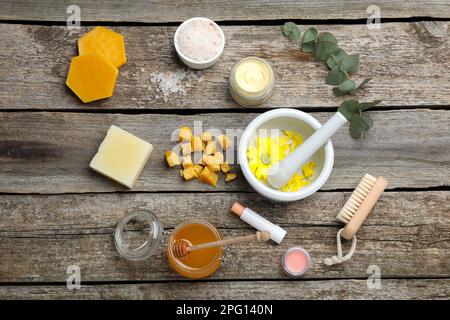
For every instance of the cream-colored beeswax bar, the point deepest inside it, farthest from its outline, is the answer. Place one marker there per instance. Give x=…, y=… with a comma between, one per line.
x=121, y=156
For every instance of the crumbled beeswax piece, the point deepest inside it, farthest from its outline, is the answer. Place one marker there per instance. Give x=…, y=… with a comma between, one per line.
x=209, y=177
x=224, y=141
x=186, y=162
x=206, y=136
x=230, y=177
x=214, y=167
x=210, y=148
x=172, y=159
x=91, y=77
x=186, y=149
x=225, y=167
x=105, y=41
x=208, y=159
x=121, y=156
x=196, y=143
x=198, y=168
x=218, y=157
x=189, y=173
x=185, y=134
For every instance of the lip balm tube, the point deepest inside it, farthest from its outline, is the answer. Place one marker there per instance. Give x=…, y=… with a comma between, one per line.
x=255, y=220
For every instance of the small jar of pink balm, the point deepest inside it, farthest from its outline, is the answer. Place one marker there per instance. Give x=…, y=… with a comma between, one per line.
x=296, y=261
x=199, y=42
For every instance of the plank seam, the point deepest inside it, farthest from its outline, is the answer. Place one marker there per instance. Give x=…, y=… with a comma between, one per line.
x=400, y=189
x=140, y=282
x=193, y=112
x=264, y=22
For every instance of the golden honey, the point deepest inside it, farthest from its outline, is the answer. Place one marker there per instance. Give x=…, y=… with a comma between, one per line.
x=200, y=263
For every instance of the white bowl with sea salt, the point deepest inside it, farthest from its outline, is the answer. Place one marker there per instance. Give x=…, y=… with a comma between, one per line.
x=199, y=42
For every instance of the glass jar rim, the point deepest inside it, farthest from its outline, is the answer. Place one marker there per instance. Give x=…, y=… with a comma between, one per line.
x=285, y=267
x=149, y=246
x=256, y=95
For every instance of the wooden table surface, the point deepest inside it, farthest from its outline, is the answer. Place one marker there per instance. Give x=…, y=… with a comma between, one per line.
x=56, y=212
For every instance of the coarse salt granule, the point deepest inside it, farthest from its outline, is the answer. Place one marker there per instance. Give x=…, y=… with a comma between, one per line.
x=174, y=82
x=200, y=40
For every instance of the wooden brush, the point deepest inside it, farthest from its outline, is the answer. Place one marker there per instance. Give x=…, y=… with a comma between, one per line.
x=360, y=203
x=181, y=248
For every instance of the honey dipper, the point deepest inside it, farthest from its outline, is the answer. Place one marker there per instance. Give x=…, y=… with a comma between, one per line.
x=181, y=248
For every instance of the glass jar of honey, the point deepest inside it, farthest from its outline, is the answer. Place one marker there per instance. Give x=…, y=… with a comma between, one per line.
x=140, y=235
x=197, y=264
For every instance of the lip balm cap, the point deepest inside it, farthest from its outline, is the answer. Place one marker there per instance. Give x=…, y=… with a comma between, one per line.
x=237, y=209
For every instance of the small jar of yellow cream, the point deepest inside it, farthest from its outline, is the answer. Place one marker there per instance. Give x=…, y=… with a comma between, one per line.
x=251, y=81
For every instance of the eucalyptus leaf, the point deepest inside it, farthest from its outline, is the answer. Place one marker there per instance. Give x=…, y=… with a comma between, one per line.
x=363, y=84
x=291, y=31
x=367, y=105
x=367, y=119
x=324, y=49
x=357, y=125
x=308, y=47
x=310, y=35
x=348, y=108
x=336, y=58
x=327, y=37
x=350, y=63
x=335, y=76
x=338, y=93
x=344, y=88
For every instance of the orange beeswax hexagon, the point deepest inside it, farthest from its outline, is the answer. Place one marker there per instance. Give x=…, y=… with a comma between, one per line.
x=91, y=77
x=105, y=41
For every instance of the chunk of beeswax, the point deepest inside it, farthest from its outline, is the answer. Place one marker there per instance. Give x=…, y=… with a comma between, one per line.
x=105, y=41
x=121, y=156
x=91, y=77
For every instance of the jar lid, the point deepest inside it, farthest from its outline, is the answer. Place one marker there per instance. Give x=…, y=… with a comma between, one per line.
x=138, y=235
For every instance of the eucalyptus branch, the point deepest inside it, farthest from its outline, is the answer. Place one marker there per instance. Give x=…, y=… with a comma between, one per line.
x=324, y=47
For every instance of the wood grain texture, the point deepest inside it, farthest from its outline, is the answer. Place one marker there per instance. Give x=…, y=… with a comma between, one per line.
x=406, y=235
x=273, y=290
x=43, y=152
x=173, y=10
x=407, y=61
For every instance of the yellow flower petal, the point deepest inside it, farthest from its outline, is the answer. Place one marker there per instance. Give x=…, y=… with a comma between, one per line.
x=296, y=137
x=253, y=164
x=263, y=171
x=276, y=149
x=308, y=169
x=252, y=153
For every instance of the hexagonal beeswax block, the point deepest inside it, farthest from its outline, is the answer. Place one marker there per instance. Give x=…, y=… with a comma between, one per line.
x=121, y=156
x=91, y=77
x=109, y=43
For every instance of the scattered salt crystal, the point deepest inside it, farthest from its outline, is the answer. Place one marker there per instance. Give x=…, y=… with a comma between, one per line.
x=174, y=82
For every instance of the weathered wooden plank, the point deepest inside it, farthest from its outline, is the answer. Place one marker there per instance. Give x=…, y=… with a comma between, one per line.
x=406, y=235
x=274, y=290
x=45, y=152
x=170, y=11
x=407, y=61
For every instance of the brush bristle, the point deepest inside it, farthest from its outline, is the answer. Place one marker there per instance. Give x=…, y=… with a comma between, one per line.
x=357, y=197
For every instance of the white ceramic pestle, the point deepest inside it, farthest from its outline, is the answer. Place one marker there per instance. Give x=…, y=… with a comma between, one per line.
x=279, y=174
